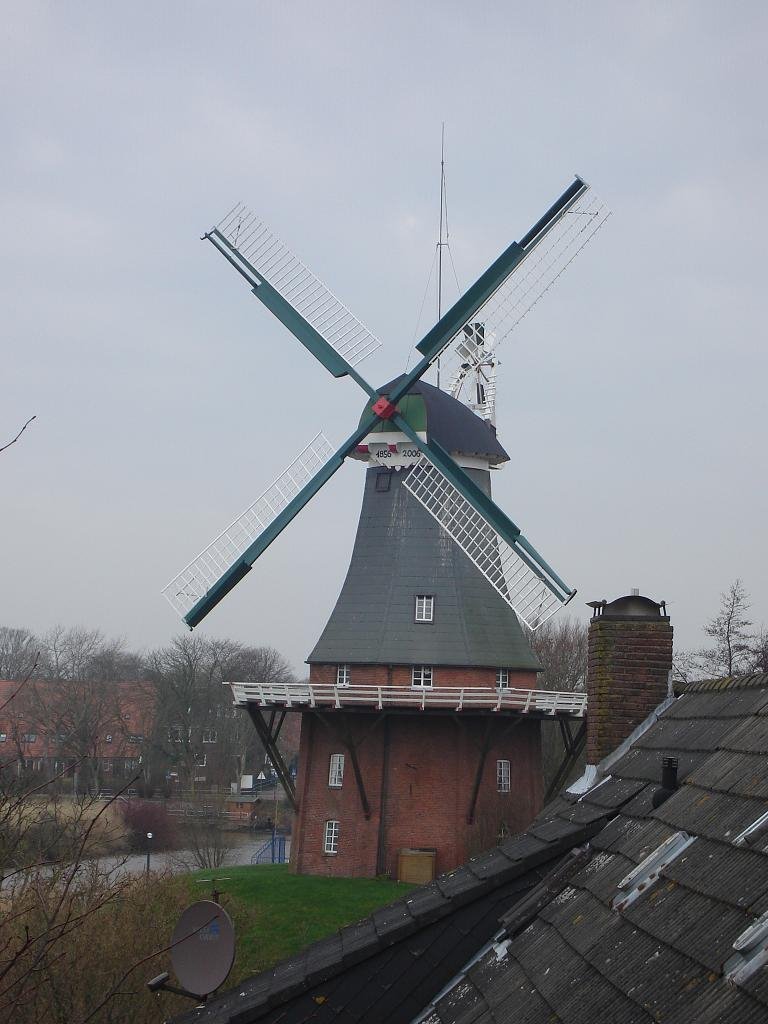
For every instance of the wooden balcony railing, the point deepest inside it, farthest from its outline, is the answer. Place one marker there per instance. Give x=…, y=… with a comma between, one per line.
x=456, y=698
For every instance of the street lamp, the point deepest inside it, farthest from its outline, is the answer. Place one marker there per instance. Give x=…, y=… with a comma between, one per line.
x=149, y=850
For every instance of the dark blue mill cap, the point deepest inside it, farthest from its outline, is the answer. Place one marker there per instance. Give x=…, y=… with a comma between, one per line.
x=446, y=420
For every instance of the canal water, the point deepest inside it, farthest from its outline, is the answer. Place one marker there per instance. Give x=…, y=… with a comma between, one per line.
x=242, y=848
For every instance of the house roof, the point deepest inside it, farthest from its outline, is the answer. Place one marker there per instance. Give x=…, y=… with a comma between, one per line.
x=528, y=932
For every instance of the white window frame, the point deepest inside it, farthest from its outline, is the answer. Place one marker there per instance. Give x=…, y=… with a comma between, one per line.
x=336, y=771
x=422, y=677
x=425, y=608
x=343, y=675
x=331, y=837
x=210, y=736
x=3, y=737
x=201, y=760
x=502, y=678
x=503, y=775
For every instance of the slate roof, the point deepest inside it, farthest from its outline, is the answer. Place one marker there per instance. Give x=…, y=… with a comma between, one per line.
x=660, y=959
x=526, y=933
x=401, y=551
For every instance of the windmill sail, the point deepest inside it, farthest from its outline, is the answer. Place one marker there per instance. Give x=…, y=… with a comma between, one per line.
x=547, y=257
x=512, y=567
x=489, y=309
x=223, y=555
x=304, y=304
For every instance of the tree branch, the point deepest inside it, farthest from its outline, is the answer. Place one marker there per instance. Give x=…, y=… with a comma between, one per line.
x=19, y=434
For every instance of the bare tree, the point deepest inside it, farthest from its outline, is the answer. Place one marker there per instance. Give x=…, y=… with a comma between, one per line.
x=759, y=651
x=729, y=630
x=736, y=648
x=561, y=646
x=195, y=719
x=76, y=716
x=18, y=649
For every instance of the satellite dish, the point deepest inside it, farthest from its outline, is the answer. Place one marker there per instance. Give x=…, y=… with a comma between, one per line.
x=203, y=947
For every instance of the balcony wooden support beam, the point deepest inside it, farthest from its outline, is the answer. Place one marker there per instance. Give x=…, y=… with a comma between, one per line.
x=268, y=732
x=343, y=735
x=573, y=746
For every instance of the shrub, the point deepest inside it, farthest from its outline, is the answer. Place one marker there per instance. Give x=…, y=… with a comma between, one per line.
x=142, y=816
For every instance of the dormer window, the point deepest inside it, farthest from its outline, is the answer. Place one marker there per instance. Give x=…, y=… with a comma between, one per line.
x=343, y=675
x=425, y=608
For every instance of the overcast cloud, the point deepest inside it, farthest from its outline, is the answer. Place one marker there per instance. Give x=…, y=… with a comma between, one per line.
x=632, y=399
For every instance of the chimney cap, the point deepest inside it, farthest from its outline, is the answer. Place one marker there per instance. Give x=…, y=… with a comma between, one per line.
x=634, y=606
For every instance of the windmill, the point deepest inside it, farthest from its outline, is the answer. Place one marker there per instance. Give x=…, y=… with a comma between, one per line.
x=466, y=337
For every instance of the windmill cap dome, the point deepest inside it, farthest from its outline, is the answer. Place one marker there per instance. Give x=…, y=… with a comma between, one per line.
x=631, y=606
x=445, y=420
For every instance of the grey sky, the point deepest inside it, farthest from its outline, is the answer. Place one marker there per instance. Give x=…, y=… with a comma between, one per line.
x=632, y=399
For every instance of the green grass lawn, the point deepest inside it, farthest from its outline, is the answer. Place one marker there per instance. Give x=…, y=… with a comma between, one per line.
x=277, y=913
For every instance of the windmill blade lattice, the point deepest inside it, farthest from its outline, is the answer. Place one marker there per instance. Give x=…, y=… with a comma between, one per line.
x=196, y=579
x=305, y=293
x=546, y=260
x=502, y=294
x=526, y=586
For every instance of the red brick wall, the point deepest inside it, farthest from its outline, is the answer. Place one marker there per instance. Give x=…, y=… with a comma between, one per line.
x=431, y=767
x=400, y=675
x=627, y=677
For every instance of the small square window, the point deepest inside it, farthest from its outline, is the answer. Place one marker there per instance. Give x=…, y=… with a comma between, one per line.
x=343, y=675
x=210, y=736
x=502, y=776
x=425, y=608
x=331, y=837
x=336, y=771
x=200, y=760
x=383, y=480
x=502, y=678
x=421, y=675
x=109, y=737
x=3, y=737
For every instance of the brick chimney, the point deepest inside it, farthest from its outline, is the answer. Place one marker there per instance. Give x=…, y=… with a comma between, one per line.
x=630, y=658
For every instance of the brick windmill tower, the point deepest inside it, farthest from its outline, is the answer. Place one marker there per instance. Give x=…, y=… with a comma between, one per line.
x=421, y=720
